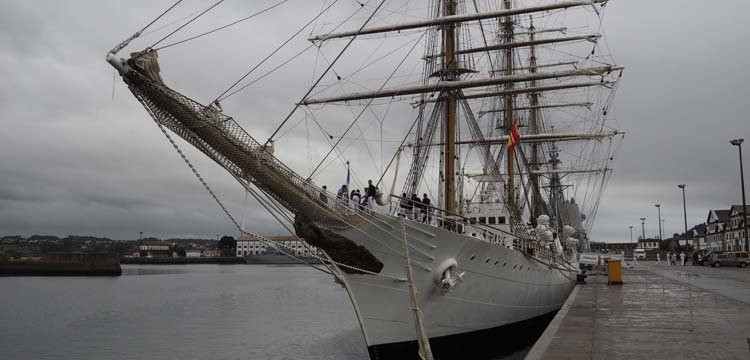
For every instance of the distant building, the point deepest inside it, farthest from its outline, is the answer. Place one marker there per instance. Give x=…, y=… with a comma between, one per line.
x=250, y=245
x=648, y=244
x=696, y=237
x=211, y=253
x=715, y=225
x=193, y=253
x=154, y=251
x=616, y=247
x=734, y=232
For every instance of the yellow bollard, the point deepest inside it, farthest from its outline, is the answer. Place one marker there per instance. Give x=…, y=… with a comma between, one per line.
x=615, y=272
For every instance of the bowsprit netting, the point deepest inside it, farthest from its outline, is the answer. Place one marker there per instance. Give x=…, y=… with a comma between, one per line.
x=226, y=142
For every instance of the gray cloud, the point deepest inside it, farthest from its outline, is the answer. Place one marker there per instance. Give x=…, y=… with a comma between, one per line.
x=73, y=160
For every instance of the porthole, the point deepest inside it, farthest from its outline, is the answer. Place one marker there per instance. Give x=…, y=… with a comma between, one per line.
x=472, y=257
x=496, y=261
x=505, y=263
x=487, y=261
x=514, y=267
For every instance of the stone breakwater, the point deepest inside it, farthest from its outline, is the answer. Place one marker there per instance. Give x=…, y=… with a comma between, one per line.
x=63, y=264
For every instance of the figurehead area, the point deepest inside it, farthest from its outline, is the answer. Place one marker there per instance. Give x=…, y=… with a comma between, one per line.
x=339, y=248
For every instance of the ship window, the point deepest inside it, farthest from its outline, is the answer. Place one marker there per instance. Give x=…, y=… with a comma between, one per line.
x=505, y=263
x=501, y=220
x=514, y=267
x=487, y=261
x=492, y=220
x=473, y=220
x=472, y=257
x=482, y=220
x=496, y=261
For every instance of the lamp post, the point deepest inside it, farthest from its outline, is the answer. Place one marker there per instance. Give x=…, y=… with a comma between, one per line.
x=643, y=228
x=738, y=144
x=658, y=207
x=684, y=206
x=631, y=237
x=631, y=234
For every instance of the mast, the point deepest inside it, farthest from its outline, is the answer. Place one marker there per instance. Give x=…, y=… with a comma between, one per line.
x=449, y=34
x=536, y=196
x=509, y=156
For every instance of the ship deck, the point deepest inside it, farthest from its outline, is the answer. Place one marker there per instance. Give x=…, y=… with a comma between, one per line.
x=660, y=311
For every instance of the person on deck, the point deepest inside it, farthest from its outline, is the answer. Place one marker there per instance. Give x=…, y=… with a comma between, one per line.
x=342, y=198
x=343, y=193
x=403, y=206
x=323, y=196
x=658, y=258
x=416, y=205
x=370, y=193
x=682, y=257
x=427, y=216
x=355, y=199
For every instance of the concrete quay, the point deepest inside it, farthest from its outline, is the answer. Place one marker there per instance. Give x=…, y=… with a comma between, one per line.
x=661, y=311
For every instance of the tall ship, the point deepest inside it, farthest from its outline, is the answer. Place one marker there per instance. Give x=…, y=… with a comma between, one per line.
x=508, y=133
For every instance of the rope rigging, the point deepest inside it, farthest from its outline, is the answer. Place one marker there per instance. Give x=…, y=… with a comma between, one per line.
x=221, y=96
x=196, y=17
x=364, y=109
x=224, y=26
x=125, y=43
x=341, y=53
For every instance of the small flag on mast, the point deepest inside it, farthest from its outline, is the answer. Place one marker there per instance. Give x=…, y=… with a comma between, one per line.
x=514, y=137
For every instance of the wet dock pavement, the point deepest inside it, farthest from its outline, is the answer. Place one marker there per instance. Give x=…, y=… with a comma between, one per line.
x=660, y=311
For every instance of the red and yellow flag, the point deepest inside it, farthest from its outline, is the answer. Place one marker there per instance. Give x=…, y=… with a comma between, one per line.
x=514, y=137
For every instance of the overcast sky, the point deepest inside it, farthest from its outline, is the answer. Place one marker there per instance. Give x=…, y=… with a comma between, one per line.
x=73, y=160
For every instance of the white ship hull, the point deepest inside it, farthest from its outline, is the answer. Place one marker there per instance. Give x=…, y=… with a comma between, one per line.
x=501, y=286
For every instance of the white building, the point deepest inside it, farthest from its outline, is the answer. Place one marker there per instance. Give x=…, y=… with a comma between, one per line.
x=648, y=244
x=735, y=229
x=249, y=245
x=154, y=251
x=715, y=225
x=193, y=253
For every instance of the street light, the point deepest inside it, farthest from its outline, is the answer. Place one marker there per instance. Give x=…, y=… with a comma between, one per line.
x=658, y=207
x=631, y=235
x=684, y=207
x=738, y=144
x=643, y=228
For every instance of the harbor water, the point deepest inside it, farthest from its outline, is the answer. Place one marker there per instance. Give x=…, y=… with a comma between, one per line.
x=181, y=312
